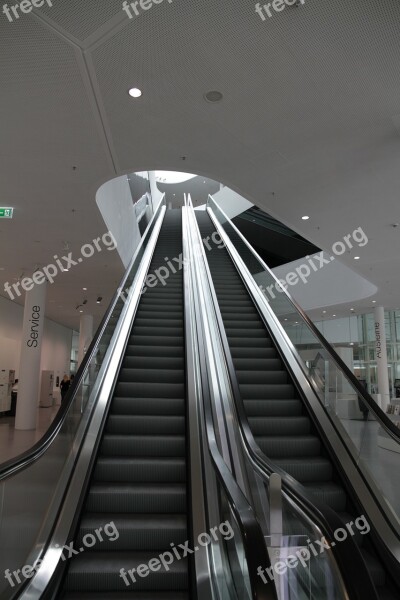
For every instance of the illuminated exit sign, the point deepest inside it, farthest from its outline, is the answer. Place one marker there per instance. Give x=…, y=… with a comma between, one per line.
x=6, y=213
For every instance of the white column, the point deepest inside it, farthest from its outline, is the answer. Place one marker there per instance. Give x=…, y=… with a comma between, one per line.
x=85, y=336
x=31, y=350
x=381, y=356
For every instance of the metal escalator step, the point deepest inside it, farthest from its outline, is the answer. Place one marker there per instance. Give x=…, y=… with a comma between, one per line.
x=244, y=333
x=273, y=408
x=258, y=364
x=156, y=330
x=306, y=470
x=276, y=376
x=145, y=424
x=143, y=470
x=157, y=340
x=328, y=492
x=127, y=375
x=246, y=317
x=253, y=352
x=147, y=406
x=143, y=445
x=133, y=531
x=248, y=325
x=137, y=497
x=288, y=446
x=250, y=342
x=279, y=425
x=101, y=571
x=264, y=391
x=155, y=321
x=135, y=349
x=154, y=362
x=150, y=390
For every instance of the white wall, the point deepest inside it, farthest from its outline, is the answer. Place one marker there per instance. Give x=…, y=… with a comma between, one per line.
x=56, y=348
x=231, y=203
x=156, y=195
x=114, y=201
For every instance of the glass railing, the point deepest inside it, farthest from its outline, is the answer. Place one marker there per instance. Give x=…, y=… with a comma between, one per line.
x=370, y=436
x=32, y=486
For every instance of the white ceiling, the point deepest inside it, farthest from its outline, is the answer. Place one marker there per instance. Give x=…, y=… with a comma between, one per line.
x=309, y=123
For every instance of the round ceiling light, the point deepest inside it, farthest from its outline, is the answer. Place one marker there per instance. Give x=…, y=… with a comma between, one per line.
x=213, y=96
x=135, y=92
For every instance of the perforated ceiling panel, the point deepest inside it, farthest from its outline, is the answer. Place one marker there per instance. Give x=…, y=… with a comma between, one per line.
x=308, y=122
x=81, y=18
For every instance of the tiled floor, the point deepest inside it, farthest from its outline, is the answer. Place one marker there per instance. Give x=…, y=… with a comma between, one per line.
x=14, y=442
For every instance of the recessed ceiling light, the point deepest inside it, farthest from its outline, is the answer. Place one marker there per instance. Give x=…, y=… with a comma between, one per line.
x=135, y=92
x=356, y=258
x=305, y=218
x=84, y=289
x=333, y=315
x=373, y=301
x=324, y=312
x=81, y=311
x=213, y=96
x=351, y=344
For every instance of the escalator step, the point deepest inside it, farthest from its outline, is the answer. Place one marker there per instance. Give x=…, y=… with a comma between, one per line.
x=264, y=391
x=289, y=446
x=132, y=531
x=273, y=408
x=143, y=470
x=143, y=445
x=148, y=406
x=279, y=426
x=162, y=350
x=310, y=470
x=154, y=362
x=150, y=390
x=138, y=498
x=100, y=571
x=145, y=424
x=127, y=375
x=330, y=493
x=276, y=376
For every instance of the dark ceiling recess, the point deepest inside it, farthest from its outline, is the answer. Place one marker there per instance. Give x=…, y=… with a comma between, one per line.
x=274, y=242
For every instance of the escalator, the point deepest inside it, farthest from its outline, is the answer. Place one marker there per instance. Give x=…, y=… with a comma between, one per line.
x=278, y=417
x=139, y=479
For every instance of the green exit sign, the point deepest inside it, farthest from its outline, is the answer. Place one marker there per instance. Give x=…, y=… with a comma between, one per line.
x=6, y=213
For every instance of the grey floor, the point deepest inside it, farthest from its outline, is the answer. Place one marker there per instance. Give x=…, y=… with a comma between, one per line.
x=14, y=442
x=382, y=464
